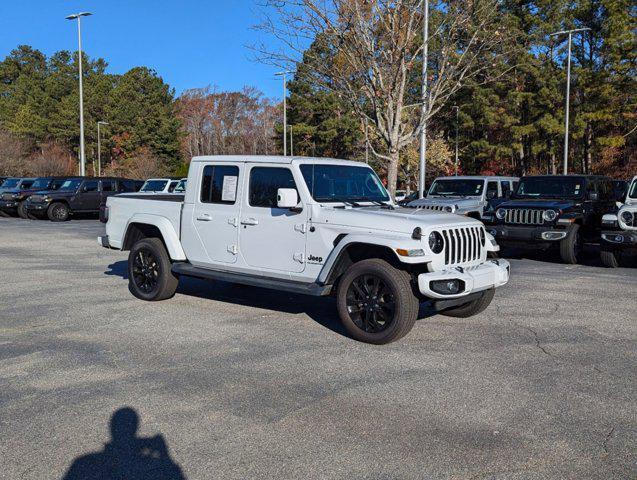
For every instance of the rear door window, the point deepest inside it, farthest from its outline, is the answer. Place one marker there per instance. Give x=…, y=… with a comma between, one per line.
x=90, y=186
x=219, y=184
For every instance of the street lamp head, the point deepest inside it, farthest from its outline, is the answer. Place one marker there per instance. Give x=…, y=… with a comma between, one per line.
x=102, y=123
x=78, y=15
x=284, y=72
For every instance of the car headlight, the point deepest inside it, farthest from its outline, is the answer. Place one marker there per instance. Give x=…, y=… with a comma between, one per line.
x=549, y=215
x=436, y=243
x=451, y=208
x=500, y=213
x=627, y=217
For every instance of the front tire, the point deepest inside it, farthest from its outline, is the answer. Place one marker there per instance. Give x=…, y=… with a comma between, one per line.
x=472, y=308
x=58, y=212
x=22, y=211
x=571, y=246
x=150, y=276
x=610, y=259
x=375, y=302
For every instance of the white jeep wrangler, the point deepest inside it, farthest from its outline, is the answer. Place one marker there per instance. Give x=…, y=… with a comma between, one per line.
x=311, y=226
x=619, y=230
x=473, y=196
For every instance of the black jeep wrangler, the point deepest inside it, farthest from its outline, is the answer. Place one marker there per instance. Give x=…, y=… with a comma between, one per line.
x=554, y=210
x=77, y=195
x=13, y=201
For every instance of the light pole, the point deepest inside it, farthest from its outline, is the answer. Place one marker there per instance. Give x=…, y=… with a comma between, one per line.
x=285, y=120
x=568, y=87
x=78, y=16
x=457, y=109
x=99, y=148
x=423, y=132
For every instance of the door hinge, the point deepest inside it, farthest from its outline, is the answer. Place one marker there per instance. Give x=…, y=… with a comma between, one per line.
x=233, y=221
x=300, y=227
x=233, y=249
x=299, y=257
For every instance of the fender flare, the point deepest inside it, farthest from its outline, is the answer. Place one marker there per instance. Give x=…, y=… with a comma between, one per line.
x=165, y=227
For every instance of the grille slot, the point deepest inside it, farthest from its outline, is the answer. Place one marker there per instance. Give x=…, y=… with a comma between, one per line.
x=463, y=245
x=524, y=216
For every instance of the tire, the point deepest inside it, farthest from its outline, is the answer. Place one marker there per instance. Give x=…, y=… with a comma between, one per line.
x=472, y=308
x=571, y=246
x=4, y=214
x=150, y=276
x=58, y=212
x=376, y=302
x=610, y=259
x=22, y=211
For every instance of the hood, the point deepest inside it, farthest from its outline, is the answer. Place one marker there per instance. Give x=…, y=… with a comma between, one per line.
x=554, y=204
x=28, y=191
x=445, y=201
x=401, y=220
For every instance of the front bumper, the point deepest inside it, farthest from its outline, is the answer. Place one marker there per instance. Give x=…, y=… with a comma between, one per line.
x=36, y=207
x=527, y=234
x=620, y=238
x=9, y=205
x=491, y=274
x=102, y=240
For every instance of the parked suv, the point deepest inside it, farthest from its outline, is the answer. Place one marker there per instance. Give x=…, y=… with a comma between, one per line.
x=554, y=210
x=470, y=196
x=619, y=230
x=159, y=185
x=77, y=195
x=12, y=184
x=12, y=202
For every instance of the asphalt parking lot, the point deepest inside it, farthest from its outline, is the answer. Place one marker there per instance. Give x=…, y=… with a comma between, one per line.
x=235, y=382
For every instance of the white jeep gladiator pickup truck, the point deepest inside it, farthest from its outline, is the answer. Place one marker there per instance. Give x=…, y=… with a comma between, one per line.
x=311, y=226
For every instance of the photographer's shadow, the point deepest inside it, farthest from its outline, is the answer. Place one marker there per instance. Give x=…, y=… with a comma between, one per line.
x=127, y=456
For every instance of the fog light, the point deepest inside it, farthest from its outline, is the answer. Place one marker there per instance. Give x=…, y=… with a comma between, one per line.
x=553, y=235
x=447, y=287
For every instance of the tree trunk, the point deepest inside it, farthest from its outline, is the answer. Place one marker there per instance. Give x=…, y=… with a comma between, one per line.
x=552, y=157
x=392, y=170
x=588, y=135
x=521, y=157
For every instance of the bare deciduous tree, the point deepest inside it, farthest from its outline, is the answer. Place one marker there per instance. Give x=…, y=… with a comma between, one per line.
x=369, y=52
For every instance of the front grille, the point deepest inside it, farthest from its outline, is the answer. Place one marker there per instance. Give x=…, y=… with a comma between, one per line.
x=463, y=245
x=524, y=216
x=36, y=198
x=7, y=196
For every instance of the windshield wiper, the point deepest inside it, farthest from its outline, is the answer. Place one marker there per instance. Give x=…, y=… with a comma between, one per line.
x=375, y=202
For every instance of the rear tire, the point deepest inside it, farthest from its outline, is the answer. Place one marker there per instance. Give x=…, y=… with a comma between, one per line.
x=610, y=259
x=58, y=212
x=22, y=211
x=150, y=276
x=571, y=246
x=472, y=308
x=375, y=302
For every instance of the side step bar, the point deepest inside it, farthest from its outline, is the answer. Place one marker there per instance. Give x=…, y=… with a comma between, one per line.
x=314, y=289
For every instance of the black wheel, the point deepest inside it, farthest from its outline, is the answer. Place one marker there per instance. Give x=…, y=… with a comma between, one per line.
x=375, y=302
x=571, y=246
x=4, y=214
x=58, y=212
x=149, y=271
x=22, y=211
x=472, y=308
x=609, y=258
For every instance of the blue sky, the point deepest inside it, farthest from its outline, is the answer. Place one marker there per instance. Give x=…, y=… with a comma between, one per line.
x=189, y=43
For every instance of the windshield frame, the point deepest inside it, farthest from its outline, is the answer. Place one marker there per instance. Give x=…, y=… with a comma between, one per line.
x=582, y=189
x=475, y=181
x=632, y=190
x=47, y=181
x=383, y=198
x=15, y=182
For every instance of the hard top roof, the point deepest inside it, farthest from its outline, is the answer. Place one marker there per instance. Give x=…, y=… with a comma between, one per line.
x=272, y=159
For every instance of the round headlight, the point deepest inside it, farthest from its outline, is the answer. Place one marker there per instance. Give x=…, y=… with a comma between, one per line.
x=450, y=208
x=549, y=215
x=627, y=217
x=500, y=213
x=436, y=242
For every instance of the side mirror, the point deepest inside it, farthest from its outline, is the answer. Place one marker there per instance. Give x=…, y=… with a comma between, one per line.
x=287, y=198
x=593, y=196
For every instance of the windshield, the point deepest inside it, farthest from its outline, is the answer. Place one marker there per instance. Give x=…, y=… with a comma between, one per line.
x=181, y=186
x=632, y=193
x=550, y=187
x=41, y=183
x=70, y=184
x=457, y=188
x=343, y=183
x=11, y=183
x=154, y=186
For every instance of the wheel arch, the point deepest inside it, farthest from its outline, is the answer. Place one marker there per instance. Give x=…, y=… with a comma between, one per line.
x=159, y=227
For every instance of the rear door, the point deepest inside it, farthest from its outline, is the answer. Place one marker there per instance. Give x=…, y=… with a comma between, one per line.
x=107, y=188
x=271, y=238
x=215, y=214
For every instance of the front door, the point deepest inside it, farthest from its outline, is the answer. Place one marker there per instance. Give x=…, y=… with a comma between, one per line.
x=88, y=198
x=271, y=238
x=215, y=214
